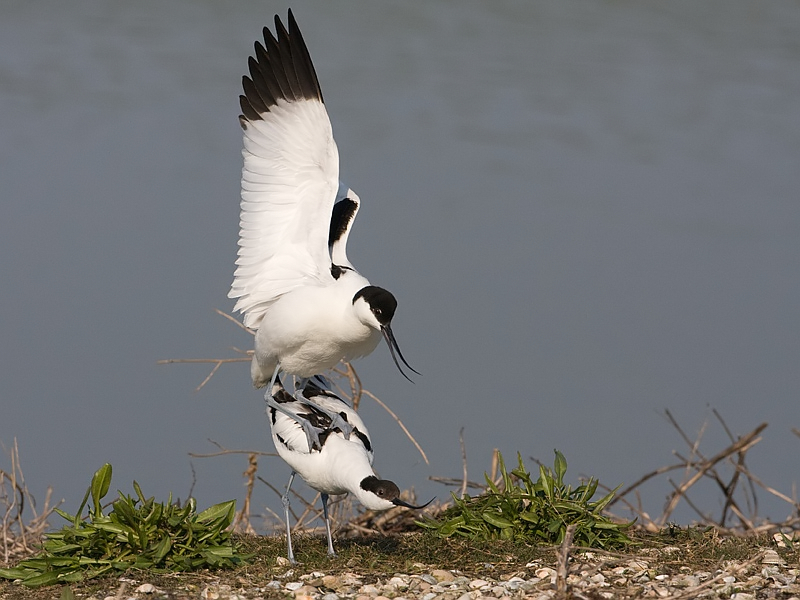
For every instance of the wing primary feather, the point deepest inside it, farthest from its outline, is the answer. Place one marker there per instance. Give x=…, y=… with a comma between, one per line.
x=266, y=77
x=254, y=98
x=248, y=112
x=276, y=65
x=303, y=66
x=261, y=81
x=286, y=59
x=280, y=70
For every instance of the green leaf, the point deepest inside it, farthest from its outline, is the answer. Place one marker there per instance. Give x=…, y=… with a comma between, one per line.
x=46, y=578
x=77, y=518
x=560, y=467
x=66, y=515
x=67, y=593
x=221, y=513
x=538, y=511
x=496, y=520
x=15, y=573
x=163, y=548
x=544, y=480
x=530, y=516
x=100, y=484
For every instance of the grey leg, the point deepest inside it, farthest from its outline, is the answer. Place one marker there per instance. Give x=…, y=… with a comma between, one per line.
x=311, y=433
x=337, y=422
x=274, y=377
x=324, y=497
x=285, y=501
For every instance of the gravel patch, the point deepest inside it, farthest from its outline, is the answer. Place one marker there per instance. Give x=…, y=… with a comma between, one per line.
x=593, y=577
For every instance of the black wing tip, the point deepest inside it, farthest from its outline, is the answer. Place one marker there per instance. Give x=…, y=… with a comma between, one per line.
x=281, y=69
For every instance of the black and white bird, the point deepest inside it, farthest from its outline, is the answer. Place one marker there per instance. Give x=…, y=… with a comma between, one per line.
x=293, y=281
x=338, y=465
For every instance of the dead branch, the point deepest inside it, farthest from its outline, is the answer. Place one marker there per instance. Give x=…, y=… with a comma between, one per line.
x=19, y=531
x=356, y=389
x=243, y=518
x=743, y=444
x=563, y=562
x=235, y=321
x=463, y=491
x=400, y=423
x=225, y=451
x=452, y=481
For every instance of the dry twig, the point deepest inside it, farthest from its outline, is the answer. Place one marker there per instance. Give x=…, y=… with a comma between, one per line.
x=563, y=561
x=18, y=530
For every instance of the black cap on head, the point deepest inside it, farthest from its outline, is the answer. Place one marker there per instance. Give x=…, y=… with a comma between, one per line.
x=381, y=301
x=383, y=488
x=388, y=490
x=383, y=304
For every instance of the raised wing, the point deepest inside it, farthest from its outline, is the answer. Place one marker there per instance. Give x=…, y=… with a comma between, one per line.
x=290, y=176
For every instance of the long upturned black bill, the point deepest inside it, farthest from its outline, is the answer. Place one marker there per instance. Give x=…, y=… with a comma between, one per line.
x=398, y=502
x=395, y=350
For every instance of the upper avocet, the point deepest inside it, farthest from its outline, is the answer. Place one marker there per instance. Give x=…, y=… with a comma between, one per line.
x=334, y=464
x=293, y=280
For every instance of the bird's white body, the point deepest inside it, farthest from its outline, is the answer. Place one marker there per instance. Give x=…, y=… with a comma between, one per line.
x=334, y=463
x=311, y=328
x=340, y=465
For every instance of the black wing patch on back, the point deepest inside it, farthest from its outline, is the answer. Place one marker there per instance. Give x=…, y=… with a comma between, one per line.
x=343, y=213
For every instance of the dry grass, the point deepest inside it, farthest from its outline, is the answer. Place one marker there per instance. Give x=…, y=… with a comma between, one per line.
x=727, y=469
x=22, y=522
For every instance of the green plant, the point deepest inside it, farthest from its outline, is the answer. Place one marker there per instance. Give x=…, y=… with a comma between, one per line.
x=539, y=512
x=137, y=533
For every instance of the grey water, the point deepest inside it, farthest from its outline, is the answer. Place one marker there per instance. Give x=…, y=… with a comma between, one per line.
x=589, y=212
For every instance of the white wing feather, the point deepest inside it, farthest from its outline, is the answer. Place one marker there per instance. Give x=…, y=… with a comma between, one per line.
x=289, y=183
x=290, y=176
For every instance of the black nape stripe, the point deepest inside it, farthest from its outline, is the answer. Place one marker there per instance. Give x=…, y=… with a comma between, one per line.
x=281, y=70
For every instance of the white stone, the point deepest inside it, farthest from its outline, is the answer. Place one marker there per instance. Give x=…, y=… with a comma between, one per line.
x=398, y=582
x=146, y=588
x=544, y=573
x=294, y=585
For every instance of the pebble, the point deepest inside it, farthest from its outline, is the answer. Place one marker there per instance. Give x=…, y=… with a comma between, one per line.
x=146, y=588
x=442, y=575
x=631, y=578
x=294, y=585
